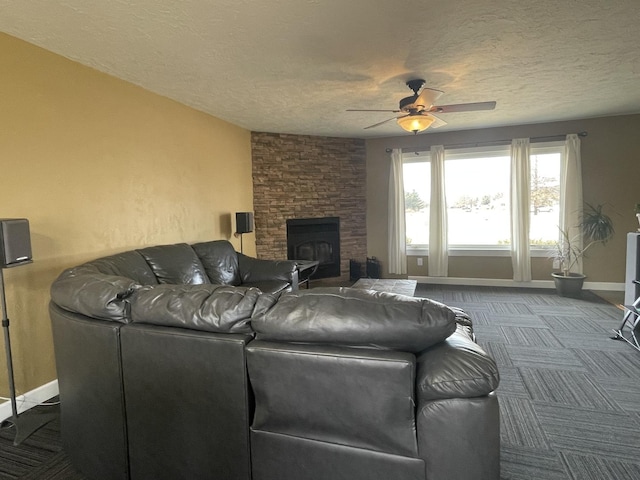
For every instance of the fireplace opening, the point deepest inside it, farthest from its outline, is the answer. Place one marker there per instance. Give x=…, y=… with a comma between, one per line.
x=315, y=239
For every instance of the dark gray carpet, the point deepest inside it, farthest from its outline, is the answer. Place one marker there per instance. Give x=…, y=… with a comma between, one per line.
x=39, y=457
x=569, y=395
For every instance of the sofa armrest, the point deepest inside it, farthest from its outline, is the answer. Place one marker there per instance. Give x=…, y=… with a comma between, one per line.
x=256, y=270
x=459, y=438
x=86, y=290
x=455, y=368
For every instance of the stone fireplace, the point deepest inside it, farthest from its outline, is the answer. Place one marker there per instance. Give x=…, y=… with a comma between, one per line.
x=306, y=177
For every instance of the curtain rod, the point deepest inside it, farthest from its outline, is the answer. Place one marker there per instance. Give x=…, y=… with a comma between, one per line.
x=547, y=138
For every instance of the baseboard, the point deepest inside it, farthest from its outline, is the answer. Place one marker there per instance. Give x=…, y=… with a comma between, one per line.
x=604, y=286
x=503, y=282
x=30, y=399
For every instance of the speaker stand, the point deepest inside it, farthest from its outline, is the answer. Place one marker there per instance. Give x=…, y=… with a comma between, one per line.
x=24, y=425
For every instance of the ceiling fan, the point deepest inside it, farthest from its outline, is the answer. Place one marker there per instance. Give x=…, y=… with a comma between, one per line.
x=418, y=109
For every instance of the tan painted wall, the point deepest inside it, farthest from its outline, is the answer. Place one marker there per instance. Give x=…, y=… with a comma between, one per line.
x=611, y=175
x=98, y=166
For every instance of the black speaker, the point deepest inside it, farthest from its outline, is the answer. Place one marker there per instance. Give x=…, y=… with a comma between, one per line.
x=373, y=267
x=15, y=242
x=244, y=222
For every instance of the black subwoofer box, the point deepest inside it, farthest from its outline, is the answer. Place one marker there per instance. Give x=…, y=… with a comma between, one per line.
x=373, y=267
x=15, y=242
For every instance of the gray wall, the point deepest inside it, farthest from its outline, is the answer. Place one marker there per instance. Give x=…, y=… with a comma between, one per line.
x=610, y=171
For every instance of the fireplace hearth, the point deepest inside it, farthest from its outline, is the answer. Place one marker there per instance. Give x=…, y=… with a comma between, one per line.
x=315, y=239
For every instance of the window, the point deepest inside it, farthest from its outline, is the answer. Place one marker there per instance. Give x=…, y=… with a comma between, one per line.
x=477, y=186
x=477, y=190
x=544, y=218
x=417, y=196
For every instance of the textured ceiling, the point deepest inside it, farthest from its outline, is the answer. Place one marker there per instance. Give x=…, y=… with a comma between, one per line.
x=295, y=66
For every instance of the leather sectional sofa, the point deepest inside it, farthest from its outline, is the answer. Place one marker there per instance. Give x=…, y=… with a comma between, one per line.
x=175, y=362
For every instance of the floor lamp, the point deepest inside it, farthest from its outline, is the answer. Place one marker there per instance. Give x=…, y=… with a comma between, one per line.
x=15, y=250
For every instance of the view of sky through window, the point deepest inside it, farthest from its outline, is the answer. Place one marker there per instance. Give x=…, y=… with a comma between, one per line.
x=478, y=199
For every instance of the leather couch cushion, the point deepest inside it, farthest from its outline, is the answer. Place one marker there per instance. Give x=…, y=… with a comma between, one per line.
x=175, y=264
x=212, y=308
x=355, y=317
x=84, y=289
x=127, y=264
x=456, y=368
x=220, y=261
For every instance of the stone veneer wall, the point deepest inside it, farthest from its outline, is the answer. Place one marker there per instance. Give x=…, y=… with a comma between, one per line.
x=299, y=176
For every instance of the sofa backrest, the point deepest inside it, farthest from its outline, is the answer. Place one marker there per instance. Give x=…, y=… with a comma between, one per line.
x=355, y=317
x=175, y=264
x=356, y=397
x=104, y=288
x=188, y=403
x=212, y=308
x=126, y=264
x=101, y=288
x=89, y=375
x=220, y=261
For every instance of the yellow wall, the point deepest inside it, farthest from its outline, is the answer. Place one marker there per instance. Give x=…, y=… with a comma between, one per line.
x=99, y=166
x=611, y=175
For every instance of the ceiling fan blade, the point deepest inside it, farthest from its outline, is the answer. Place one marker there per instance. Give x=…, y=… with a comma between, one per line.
x=380, y=123
x=438, y=122
x=428, y=97
x=463, y=107
x=356, y=110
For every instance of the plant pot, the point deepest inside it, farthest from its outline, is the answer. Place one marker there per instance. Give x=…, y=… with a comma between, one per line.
x=569, y=286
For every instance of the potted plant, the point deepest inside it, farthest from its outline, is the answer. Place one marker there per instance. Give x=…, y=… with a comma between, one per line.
x=595, y=227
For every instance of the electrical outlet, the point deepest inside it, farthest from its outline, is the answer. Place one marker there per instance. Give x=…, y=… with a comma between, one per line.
x=419, y=262
x=556, y=263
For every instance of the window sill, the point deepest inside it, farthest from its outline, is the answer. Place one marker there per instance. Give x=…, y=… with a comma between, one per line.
x=472, y=251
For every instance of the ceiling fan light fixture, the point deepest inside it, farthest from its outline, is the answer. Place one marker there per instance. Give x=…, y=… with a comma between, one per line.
x=415, y=123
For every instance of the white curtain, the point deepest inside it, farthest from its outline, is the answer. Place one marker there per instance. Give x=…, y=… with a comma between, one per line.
x=397, y=231
x=438, y=242
x=520, y=188
x=571, y=193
